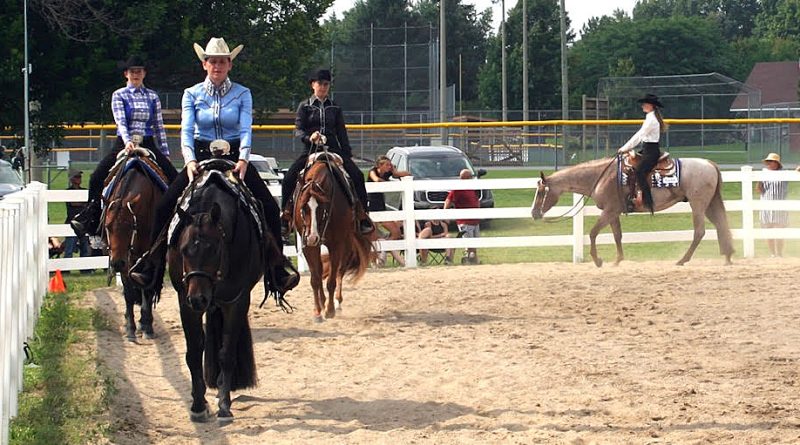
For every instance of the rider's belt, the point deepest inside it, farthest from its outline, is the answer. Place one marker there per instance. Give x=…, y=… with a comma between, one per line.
x=202, y=150
x=147, y=142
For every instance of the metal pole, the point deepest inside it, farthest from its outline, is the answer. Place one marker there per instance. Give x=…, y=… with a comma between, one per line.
x=405, y=70
x=524, y=72
x=371, y=103
x=503, y=59
x=564, y=78
x=442, y=68
x=26, y=70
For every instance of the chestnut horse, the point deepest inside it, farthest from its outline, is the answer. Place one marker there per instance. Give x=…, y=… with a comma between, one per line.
x=323, y=214
x=128, y=228
x=700, y=185
x=216, y=261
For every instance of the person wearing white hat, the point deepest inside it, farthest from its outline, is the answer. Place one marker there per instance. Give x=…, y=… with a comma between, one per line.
x=773, y=189
x=212, y=110
x=137, y=113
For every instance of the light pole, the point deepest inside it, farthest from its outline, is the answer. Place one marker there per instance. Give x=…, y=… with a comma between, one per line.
x=26, y=71
x=503, y=60
x=442, y=69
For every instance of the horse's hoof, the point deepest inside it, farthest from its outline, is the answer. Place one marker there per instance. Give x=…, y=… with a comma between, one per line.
x=224, y=419
x=200, y=417
x=338, y=305
x=131, y=339
x=149, y=335
x=318, y=319
x=330, y=314
x=680, y=263
x=598, y=262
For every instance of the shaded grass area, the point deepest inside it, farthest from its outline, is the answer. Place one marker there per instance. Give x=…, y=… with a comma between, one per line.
x=66, y=391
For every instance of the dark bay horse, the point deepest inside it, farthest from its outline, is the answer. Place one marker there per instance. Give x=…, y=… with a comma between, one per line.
x=700, y=185
x=323, y=214
x=216, y=261
x=128, y=229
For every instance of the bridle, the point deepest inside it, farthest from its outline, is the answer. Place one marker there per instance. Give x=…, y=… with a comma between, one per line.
x=134, y=226
x=578, y=206
x=212, y=277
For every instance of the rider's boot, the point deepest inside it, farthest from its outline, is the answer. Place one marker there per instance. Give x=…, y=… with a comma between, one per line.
x=286, y=276
x=286, y=226
x=87, y=221
x=149, y=269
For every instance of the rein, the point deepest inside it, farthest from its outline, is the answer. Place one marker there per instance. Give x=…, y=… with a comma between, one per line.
x=218, y=275
x=578, y=206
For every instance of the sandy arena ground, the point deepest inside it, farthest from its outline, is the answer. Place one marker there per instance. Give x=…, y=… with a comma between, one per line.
x=528, y=353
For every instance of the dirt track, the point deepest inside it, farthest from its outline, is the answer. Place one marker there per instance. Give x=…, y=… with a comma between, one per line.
x=529, y=353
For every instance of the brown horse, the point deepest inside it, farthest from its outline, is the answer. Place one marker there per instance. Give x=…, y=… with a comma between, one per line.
x=128, y=229
x=323, y=214
x=700, y=185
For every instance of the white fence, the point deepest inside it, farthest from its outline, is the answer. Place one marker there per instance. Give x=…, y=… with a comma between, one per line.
x=577, y=239
x=23, y=283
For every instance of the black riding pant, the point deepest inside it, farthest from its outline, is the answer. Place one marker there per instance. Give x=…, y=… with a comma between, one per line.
x=104, y=166
x=166, y=206
x=649, y=153
x=290, y=179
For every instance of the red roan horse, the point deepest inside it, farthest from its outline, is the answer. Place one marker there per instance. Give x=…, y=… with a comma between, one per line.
x=323, y=214
x=129, y=232
x=700, y=185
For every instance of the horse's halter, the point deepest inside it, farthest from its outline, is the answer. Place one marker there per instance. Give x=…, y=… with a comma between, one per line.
x=316, y=185
x=223, y=261
x=575, y=207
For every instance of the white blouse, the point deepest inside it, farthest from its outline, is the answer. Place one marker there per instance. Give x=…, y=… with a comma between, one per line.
x=650, y=132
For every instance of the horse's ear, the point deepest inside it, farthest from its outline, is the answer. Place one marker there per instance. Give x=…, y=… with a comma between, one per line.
x=215, y=213
x=542, y=176
x=185, y=217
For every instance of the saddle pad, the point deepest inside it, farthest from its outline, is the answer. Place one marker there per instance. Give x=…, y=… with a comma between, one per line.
x=207, y=175
x=122, y=166
x=657, y=180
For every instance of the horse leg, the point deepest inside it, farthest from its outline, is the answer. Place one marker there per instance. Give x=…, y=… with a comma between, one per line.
x=146, y=317
x=616, y=229
x=227, y=360
x=699, y=222
x=195, y=344
x=130, y=322
x=602, y=221
x=330, y=284
x=314, y=260
x=339, y=299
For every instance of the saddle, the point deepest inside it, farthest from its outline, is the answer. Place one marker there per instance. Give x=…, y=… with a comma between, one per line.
x=220, y=170
x=142, y=158
x=665, y=174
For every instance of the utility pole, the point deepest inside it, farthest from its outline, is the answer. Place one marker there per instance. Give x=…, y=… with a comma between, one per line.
x=564, y=81
x=524, y=71
x=442, y=69
x=503, y=59
x=26, y=70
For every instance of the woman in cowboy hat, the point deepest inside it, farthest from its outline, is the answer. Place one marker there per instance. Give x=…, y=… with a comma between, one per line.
x=648, y=136
x=773, y=189
x=320, y=121
x=137, y=113
x=214, y=109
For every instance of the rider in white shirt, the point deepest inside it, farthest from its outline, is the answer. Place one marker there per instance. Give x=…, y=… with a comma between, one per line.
x=648, y=136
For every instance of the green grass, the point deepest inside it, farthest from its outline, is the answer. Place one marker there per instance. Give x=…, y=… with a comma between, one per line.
x=66, y=394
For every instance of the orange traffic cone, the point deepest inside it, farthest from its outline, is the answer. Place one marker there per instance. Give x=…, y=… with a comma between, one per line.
x=57, y=283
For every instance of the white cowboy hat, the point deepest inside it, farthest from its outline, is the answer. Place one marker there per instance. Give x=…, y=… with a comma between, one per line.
x=216, y=47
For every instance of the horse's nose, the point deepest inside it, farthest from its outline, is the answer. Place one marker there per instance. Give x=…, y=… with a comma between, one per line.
x=536, y=214
x=312, y=240
x=198, y=302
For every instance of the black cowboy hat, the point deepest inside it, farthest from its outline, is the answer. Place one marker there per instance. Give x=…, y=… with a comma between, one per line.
x=321, y=74
x=133, y=62
x=651, y=99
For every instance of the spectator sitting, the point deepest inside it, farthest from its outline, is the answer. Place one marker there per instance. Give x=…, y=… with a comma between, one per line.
x=774, y=190
x=467, y=228
x=54, y=247
x=432, y=229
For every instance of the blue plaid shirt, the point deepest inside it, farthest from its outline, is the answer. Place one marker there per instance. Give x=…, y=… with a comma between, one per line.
x=138, y=111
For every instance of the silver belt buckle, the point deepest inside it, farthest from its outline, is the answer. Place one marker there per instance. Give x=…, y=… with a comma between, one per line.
x=137, y=139
x=219, y=147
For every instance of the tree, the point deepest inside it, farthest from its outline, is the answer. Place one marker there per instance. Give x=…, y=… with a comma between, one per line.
x=544, y=51
x=780, y=19
x=736, y=18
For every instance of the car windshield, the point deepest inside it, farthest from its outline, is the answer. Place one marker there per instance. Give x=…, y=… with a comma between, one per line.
x=439, y=167
x=9, y=176
x=263, y=166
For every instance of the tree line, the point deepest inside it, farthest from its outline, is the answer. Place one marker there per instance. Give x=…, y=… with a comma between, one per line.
x=75, y=47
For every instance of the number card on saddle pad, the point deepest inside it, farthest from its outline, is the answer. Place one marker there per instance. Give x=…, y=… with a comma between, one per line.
x=666, y=174
x=210, y=172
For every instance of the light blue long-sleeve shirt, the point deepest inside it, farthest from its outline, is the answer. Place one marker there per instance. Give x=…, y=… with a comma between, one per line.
x=209, y=113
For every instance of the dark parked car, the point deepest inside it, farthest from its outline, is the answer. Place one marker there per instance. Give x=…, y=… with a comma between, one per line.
x=434, y=162
x=10, y=181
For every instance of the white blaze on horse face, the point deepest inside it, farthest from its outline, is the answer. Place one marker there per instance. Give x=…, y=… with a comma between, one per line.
x=313, y=237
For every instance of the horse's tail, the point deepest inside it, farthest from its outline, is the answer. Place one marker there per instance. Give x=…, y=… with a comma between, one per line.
x=716, y=213
x=361, y=256
x=244, y=372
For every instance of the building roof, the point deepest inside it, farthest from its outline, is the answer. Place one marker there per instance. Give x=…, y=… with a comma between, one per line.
x=777, y=81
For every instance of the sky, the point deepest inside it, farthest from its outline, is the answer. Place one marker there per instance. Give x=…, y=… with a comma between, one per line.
x=579, y=11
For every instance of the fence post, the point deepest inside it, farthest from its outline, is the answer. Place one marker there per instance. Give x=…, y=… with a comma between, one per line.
x=748, y=235
x=577, y=229
x=409, y=234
